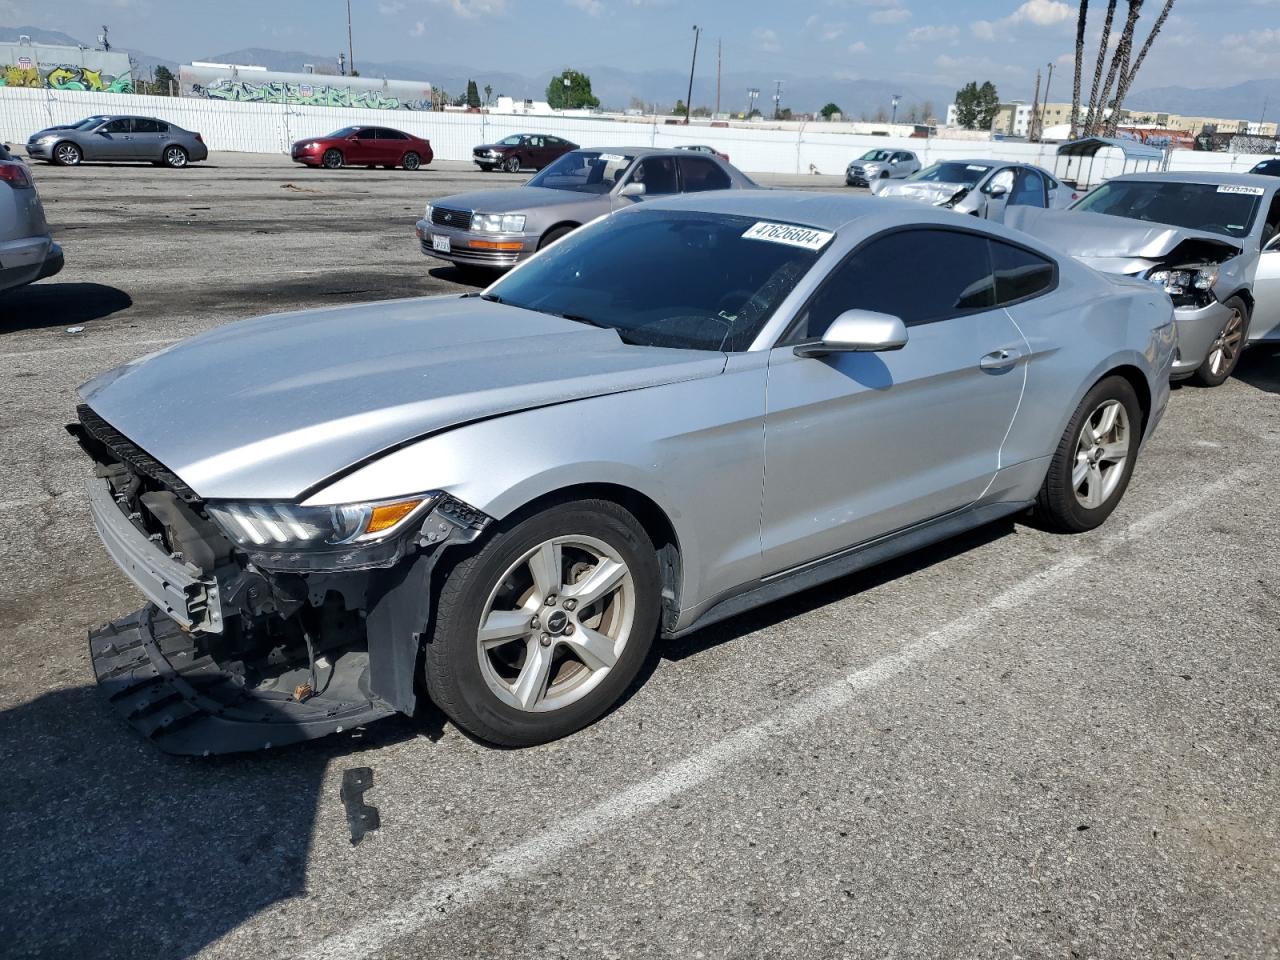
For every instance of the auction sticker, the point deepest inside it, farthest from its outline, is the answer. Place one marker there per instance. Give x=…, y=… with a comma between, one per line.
x=1235, y=188
x=612, y=157
x=805, y=237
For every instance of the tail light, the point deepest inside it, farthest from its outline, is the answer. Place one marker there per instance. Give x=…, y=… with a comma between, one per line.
x=199, y=139
x=15, y=175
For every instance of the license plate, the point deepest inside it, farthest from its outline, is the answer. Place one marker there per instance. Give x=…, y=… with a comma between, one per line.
x=439, y=243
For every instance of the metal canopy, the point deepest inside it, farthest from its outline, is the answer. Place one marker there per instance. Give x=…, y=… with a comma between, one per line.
x=1137, y=157
x=1132, y=149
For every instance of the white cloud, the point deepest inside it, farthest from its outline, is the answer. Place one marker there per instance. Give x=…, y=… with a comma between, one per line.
x=858, y=47
x=471, y=9
x=930, y=34
x=890, y=15
x=767, y=40
x=983, y=29
x=831, y=31
x=1036, y=13
x=592, y=8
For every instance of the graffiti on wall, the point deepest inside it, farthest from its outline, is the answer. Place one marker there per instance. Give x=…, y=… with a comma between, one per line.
x=63, y=76
x=302, y=94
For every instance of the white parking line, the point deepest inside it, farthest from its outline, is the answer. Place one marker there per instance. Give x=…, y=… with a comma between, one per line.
x=430, y=904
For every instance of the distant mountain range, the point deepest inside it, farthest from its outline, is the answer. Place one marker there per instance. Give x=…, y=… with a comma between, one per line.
x=617, y=88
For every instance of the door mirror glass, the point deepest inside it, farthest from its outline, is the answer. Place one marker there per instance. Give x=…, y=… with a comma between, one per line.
x=858, y=331
x=632, y=190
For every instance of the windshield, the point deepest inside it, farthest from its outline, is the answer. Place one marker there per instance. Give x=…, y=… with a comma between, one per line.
x=88, y=123
x=668, y=278
x=875, y=155
x=1214, y=208
x=952, y=172
x=584, y=171
x=510, y=141
x=339, y=134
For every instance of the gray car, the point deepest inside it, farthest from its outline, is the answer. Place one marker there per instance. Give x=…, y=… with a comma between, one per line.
x=880, y=165
x=673, y=415
x=116, y=138
x=27, y=250
x=499, y=228
x=982, y=188
x=1210, y=240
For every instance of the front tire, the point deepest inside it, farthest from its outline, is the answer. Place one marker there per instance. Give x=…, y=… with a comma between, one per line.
x=551, y=236
x=1225, y=351
x=67, y=154
x=1091, y=467
x=511, y=165
x=541, y=630
x=331, y=160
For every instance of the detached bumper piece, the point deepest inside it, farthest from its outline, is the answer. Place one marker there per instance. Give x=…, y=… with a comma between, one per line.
x=156, y=677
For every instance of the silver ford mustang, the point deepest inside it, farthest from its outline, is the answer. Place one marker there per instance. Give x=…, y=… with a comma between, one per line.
x=673, y=415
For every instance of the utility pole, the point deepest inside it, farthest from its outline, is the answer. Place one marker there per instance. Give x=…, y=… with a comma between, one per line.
x=719, y=44
x=1035, y=109
x=897, y=98
x=688, y=104
x=351, y=57
x=104, y=40
x=753, y=94
x=1048, y=83
x=777, y=100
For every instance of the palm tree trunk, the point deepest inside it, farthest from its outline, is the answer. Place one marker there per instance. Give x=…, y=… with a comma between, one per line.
x=1120, y=64
x=1075, y=88
x=1091, y=119
x=1126, y=81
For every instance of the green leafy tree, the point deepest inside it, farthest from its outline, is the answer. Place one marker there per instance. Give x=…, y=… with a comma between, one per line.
x=976, y=106
x=680, y=109
x=488, y=93
x=830, y=110
x=165, y=83
x=702, y=111
x=574, y=95
x=473, y=94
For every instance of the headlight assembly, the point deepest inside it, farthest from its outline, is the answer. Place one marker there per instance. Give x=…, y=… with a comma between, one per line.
x=1186, y=286
x=276, y=526
x=497, y=222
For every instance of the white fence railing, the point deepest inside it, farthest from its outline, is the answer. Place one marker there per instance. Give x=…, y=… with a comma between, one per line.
x=271, y=128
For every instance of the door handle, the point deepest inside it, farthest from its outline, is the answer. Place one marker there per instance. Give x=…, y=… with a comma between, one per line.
x=1000, y=359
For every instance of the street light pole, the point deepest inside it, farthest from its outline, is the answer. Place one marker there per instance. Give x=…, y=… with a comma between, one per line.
x=777, y=100
x=897, y=98
x=1045, y=109
x=688, y=104
x=351, y=57
x=753, y=93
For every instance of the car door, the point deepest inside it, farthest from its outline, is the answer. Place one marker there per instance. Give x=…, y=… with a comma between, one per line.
x=658, y=174
x=859, y=445
x=1265, y=321
x=900, y=162
x=146, y=144
x=995, y=205
x=111, y=141
x=699, y=173
x=364, y=147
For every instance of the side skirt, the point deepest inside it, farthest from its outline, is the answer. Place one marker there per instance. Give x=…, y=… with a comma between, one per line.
x=869, y=554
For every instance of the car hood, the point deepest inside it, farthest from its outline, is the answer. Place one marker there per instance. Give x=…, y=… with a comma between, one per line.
x=924, y=191
x=269, y=408
x=521, y=198
x=1098, y=236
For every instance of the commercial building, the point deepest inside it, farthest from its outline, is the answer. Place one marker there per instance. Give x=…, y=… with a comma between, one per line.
x=59, y=67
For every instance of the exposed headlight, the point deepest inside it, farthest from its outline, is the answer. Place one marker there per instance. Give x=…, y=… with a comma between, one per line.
x=427, y=214
x=497, y=222
x=270, y=525
x=1185, y=285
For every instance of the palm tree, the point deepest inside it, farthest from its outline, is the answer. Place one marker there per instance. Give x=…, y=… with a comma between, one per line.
x=1119, y=66
x=1075, y=89
x=1091, y=118
x=1126, y=81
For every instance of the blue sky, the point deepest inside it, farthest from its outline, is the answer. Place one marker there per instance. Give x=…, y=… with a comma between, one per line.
x=1205, y=43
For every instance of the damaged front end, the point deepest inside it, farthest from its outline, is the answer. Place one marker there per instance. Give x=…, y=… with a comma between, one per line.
x=268, y=623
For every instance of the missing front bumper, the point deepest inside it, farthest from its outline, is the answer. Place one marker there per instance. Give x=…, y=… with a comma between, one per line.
x=157, y=677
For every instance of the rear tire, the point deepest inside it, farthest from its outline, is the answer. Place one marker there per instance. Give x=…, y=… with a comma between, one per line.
x=1225, y=351
x=412, y=161
x=175, y=158
x=66, y=154
x=547, y=664
x=332, y=159
x=511, y=165
x=1091, y=467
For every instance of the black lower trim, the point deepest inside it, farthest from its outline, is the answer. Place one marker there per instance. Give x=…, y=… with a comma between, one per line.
x=811, y=574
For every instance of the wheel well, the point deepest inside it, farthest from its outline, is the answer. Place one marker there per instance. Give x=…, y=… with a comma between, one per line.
x=652, y=517
x=1245, y=295
x=554, y=227
x=1139, y=383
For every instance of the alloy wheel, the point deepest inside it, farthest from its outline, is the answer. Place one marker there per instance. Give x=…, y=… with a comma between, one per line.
x=67, y=154
x=411, y=161
x=556, y=623
x=175, y=157
x=332, y=159
x=512, y=165
x=1226, y=348
x=1101, y=452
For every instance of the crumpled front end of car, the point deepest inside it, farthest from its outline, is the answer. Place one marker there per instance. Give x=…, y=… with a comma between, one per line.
x=254, y=637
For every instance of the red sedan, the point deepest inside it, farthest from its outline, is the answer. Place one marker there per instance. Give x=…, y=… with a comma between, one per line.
x=364, y=146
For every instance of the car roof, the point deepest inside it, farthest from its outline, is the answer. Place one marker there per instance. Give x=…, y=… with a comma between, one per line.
x=1206, y=177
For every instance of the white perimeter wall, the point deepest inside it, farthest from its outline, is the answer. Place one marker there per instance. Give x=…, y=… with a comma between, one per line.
x=271, y=128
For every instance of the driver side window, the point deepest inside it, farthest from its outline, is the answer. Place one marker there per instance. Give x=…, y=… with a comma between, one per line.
x=119, y=126
x=658, y=174
x=1271, y=228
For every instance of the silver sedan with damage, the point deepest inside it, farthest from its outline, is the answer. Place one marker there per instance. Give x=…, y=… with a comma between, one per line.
x=982, y=188
x=1210, y=240
x=499, y=500
x=499, y=228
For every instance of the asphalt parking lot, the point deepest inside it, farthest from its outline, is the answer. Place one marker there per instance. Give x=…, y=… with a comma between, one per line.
x=1017, y=744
